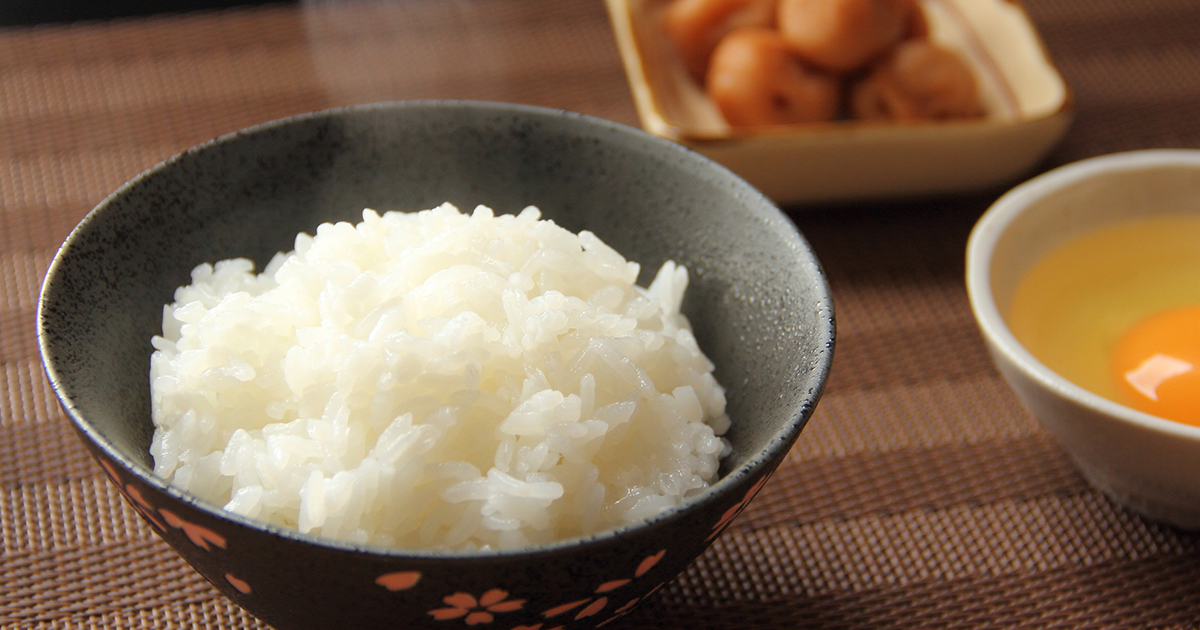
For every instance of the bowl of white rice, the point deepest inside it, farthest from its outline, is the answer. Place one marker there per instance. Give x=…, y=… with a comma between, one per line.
x=427, y=364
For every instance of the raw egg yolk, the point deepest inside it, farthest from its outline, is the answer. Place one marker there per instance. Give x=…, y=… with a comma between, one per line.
x=1156, y=365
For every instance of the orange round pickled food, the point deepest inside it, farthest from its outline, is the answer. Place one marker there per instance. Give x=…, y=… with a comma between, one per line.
x=696, y=26
x=845, y=35
x=756, y=81
x=1156, y=365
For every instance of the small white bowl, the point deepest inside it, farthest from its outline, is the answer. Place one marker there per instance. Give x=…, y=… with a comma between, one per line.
x=1028, y=110
x=1147, y=463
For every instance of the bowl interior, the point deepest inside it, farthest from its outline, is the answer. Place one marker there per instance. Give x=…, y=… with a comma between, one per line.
x=1079, y=199
x=758, y=300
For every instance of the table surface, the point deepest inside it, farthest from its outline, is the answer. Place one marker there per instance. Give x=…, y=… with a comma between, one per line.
x=920, y=494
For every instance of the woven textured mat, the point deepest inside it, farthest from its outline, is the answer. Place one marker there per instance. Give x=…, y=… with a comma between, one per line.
x=920, y=494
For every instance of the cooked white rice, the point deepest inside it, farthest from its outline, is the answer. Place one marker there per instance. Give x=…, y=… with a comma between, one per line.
x=435, y=379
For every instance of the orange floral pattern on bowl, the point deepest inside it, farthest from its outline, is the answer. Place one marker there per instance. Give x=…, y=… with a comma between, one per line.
x=593, y=605
x=471, y=610
x=736, y=508
x=475, y=611
x=199, y=535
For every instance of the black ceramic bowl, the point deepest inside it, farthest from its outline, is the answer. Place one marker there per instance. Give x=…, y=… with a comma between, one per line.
x=758, y=301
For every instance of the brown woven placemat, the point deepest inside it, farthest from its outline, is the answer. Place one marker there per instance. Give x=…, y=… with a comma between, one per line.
x=920, y=495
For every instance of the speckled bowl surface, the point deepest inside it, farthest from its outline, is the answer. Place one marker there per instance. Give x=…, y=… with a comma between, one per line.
x=758, y=301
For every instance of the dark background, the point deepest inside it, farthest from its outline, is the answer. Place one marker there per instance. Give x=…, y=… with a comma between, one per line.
x=31, y=12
